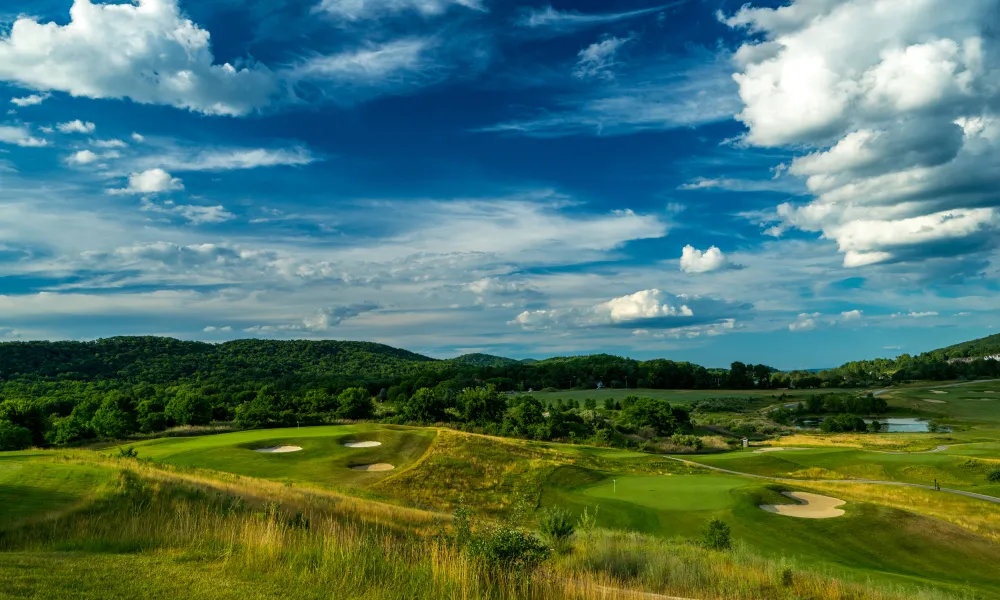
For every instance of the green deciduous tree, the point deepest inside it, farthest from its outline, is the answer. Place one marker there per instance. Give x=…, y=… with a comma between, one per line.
x=355, y=403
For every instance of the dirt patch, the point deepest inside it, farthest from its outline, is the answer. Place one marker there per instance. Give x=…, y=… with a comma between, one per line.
x=374, y=467
x=934, y=401
x=775, y=449
x=362, y=444
x=278, y=449
x=812, y=506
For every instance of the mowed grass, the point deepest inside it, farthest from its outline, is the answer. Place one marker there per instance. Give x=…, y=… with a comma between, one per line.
x=963, y=467
x=324, y=461
x=33, y=487
x=673, y=396
x=869, y=542
x=975, y=404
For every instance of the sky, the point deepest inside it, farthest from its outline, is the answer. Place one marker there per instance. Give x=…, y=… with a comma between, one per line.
x=799, y=183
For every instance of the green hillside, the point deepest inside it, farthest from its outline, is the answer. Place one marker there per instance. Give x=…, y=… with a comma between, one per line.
x=157, y=359
x=483, y=360
x=987, y=346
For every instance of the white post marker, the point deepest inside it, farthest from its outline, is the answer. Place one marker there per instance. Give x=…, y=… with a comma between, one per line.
x=614, y=482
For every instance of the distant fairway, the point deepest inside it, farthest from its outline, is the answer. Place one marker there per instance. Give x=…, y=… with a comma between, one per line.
x=975, y=404
x=323, y=461
x=673, y=396
x=961, y=467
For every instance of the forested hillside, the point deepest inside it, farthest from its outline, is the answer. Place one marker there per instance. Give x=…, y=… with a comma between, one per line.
x=987, y=346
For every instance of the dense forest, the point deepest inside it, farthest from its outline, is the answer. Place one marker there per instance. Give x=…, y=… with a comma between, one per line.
x=65, y=392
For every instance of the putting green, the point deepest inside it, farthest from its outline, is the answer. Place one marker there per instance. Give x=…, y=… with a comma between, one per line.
x=670, y=493
x=323, y=461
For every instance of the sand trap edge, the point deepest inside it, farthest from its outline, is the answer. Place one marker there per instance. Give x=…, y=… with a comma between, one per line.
x=811, y=506
x=374, y=467
x=278, y=449
x=362, y=444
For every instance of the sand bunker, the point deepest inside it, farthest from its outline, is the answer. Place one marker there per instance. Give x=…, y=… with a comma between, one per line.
x=938, y=392
x=362, y=444
x=934, y=401
x=279, y=449
x=813, y=506
x=776, y=449
x=374, y=467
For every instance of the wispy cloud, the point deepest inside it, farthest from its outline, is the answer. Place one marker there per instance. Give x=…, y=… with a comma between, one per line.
x=32, y=100
x=355, y=10
x=20, y=135
x=564, y=21
x=598, y=59
x=650, y=98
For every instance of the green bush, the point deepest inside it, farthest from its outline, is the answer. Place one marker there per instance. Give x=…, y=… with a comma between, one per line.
x=716, y=535
x=557, y=529
x=993, y=476
x=14, y=437
x=508, y=548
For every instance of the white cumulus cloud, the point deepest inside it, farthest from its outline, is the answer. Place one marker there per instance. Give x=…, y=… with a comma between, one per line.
x=897, y=105
x=146, y=51
x=696, y=261
x=153, y=181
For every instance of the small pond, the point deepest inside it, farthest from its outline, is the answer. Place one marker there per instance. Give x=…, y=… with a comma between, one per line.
x=889, y=424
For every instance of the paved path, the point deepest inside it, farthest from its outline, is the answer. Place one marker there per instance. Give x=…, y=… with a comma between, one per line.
x=993, y=499
x=931, y=387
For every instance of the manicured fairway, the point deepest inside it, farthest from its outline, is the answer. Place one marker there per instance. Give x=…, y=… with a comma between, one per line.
x=973, y=404
x=33, y=487
x=323, y=460
x=868, y=542
x=962, y=467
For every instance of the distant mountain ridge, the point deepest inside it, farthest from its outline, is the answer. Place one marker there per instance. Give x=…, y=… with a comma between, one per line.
x=478, y=359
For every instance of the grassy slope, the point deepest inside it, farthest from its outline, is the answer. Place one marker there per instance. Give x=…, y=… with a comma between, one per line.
x=34, y=488
x=323, y=460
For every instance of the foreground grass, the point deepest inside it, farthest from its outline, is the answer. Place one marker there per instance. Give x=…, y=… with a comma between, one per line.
x=158, y=535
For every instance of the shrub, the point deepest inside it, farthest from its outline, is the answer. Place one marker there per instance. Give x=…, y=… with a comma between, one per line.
x=129, y=452
x=14, y=437
x=505, y=547
x=994, y=475
x=716, y=535
x=557, y=529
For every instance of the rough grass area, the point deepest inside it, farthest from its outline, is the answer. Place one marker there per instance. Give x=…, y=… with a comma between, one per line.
x=490, y=475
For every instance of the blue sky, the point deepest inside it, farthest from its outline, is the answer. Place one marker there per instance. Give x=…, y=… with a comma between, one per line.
x=799, y=183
